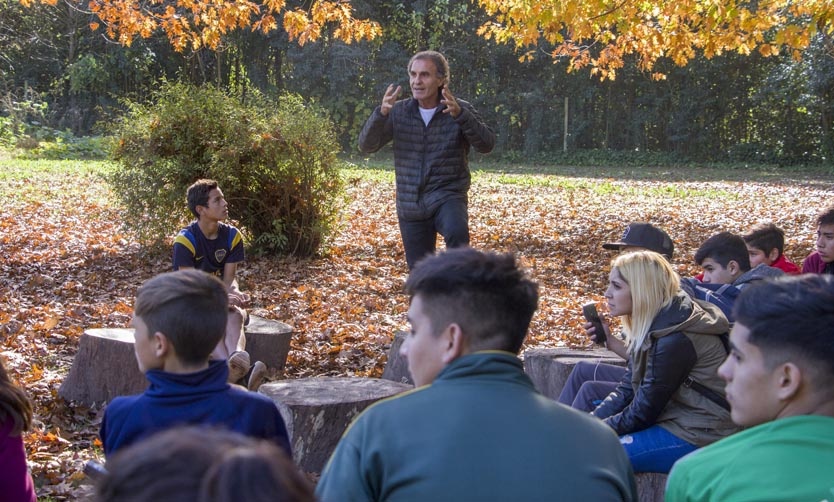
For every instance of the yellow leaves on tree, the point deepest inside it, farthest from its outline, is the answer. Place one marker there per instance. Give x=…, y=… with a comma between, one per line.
x=600, y=33
x=194, y=24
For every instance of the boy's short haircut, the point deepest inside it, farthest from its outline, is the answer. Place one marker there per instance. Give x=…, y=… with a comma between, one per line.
x=765, y=237
x=198, y=194
x=722, y=248
x=202, y=463
x=190, y=307
x=487, y=294
x=826, y=217
x=792, y=317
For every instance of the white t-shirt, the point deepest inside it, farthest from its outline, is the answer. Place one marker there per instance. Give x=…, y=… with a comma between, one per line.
x=427, y=114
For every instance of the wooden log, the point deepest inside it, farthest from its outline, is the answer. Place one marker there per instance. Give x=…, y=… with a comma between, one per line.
x=549, y=368
x=396, y=368
x=104, y=367
x=268, y=341
x=318, y=410
x=651, y=486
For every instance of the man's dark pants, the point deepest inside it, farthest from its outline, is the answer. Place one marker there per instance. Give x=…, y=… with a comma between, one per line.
x=451, y=220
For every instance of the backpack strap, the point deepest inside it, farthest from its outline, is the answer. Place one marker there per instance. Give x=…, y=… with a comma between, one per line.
x=706, y=392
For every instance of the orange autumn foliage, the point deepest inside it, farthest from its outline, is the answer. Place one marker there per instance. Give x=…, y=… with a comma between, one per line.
x=601, y=33
x=196, y=24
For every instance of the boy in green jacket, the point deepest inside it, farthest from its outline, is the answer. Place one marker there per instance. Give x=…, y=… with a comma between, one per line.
x=780, y=385
x=475, y=428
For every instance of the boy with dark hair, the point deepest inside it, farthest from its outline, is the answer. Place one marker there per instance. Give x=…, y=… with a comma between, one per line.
x=766, y=244
x=726, y=267
x=178, y=318
x=475, y=428
x=780, y=385
x=821, y=261
x=202, y=464
x=212, y=246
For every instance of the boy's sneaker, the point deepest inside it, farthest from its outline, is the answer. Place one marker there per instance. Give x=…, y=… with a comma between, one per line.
x=256, y=378
x=238, y=365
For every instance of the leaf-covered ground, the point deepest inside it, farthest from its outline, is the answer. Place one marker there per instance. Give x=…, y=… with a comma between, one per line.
x=68, y=266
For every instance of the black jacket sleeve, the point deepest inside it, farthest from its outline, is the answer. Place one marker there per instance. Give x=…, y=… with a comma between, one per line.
x=671, y=359
x=619, y=398
x=376, y=132
x=475, y=130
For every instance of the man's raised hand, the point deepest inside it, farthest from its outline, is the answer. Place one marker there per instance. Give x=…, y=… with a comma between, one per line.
x=452, y=106
x=391, y=95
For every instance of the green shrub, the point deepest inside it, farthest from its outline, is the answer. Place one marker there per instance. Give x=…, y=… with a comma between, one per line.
x=275, y=162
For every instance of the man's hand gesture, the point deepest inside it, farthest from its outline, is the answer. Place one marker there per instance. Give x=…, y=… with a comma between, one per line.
x=391, y=95
x=452, y=106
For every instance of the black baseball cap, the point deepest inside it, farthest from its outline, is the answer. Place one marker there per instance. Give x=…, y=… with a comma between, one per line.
x=645, y=235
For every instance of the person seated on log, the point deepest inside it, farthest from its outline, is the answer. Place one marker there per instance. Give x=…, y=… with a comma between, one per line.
x=725, y=260
x=780, y=385
x=15, y=417
x=178, y=318
x=821, y=260
x=475, y=428
x=215, y=247
x=766, y=244
x=670, y=400
x=202, y=464
x=590, y=382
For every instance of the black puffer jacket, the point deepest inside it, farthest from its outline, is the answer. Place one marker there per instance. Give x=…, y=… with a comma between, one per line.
x=431, y=162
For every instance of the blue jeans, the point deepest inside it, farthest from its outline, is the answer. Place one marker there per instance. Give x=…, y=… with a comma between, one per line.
x=451, y=220
x=654, y=449
x=589, y=384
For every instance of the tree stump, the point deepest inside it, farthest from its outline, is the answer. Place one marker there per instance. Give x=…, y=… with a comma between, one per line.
x=318, y=410
x=396, y=368
x=268, y=341
x=651, y=486
x=549, y=368
x=104, y=367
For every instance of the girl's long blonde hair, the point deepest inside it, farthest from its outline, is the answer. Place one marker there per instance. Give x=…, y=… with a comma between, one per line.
x=654, y=283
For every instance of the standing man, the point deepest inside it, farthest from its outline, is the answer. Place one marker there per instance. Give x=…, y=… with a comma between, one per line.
x=475, y=428
x=432, y=133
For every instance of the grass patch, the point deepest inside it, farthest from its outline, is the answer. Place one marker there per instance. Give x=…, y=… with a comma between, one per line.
x=626, y=166
x=33, y=180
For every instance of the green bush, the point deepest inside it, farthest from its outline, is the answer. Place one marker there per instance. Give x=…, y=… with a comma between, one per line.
x=275, y=162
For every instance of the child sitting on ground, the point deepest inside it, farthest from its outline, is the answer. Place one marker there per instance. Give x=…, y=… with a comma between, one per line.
x=766, y=244
x=821, y=261
x=179, y=318
x=726, y=271
x=212, y=246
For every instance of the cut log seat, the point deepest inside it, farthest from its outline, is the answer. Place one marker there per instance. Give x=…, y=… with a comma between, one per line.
x=549, y=368
x=104, y=367
x=318, y=410
x=268, y=341
x=396, y=367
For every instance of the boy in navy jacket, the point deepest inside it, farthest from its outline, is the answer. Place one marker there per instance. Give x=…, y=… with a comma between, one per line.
x=179, y=318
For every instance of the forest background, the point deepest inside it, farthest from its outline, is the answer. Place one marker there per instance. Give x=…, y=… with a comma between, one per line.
x=56, y=72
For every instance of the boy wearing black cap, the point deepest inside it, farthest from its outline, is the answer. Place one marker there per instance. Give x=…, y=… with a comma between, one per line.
x=644, y=236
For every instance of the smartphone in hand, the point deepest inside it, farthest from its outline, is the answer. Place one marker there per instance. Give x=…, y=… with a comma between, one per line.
x=589, y=310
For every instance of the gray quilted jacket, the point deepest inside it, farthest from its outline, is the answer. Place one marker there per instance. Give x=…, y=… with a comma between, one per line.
x=431, y=162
